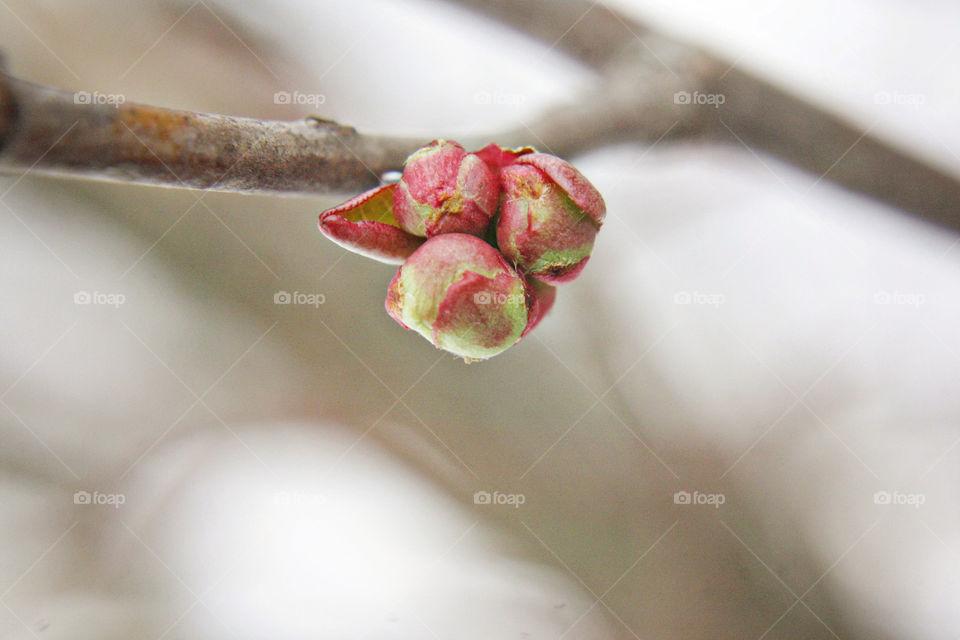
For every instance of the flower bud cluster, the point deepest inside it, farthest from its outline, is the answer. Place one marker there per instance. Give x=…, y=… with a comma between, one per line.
x=481, y=236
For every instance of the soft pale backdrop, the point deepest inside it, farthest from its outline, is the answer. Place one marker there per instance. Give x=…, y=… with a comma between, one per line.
x=294, y=472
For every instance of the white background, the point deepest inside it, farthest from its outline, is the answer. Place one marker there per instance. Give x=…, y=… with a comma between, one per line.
x=300, y=472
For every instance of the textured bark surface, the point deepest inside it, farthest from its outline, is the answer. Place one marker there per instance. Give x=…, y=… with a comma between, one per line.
x=53, y=134
x=641, y=73
x=146, y=144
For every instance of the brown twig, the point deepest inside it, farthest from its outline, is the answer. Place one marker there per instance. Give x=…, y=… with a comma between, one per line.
x=768, y=118
x=756, y=112
x=45, y=130
x=55, y=134
x=52, y=133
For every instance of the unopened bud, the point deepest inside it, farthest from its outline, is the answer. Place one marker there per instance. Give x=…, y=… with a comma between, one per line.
x=462, y=295
x=444, y=189
x=549, y=218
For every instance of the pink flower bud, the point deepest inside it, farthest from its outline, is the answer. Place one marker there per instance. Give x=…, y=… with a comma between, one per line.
x=497, y=157
x=462, y=295
x=444, y=189
x=365, y=225
x=549, y=217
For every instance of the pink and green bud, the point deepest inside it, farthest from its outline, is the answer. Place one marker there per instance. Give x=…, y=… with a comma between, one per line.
x=462, y=295
x=549, y=217
x=482, y=238
x=444, y=189
x=365, y=225
x=496, y=157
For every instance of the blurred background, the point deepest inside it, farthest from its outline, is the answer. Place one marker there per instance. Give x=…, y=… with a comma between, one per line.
x=739, y=422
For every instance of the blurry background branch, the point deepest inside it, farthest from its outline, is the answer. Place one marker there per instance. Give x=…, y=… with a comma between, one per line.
x=641, y=74
x=645, y=66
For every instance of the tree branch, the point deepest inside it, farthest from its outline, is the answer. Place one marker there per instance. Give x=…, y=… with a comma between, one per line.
x=588, y=31
x=768, y=118
x=45, y=130
x=49, y=132
x=641, y=70
x=755, y=111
